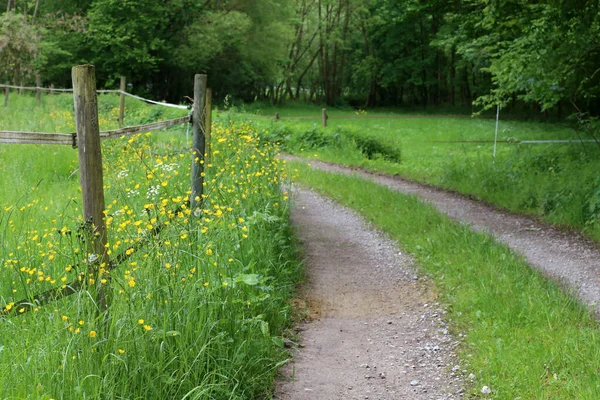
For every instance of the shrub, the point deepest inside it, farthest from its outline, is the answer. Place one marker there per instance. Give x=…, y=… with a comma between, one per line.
x=298, y=138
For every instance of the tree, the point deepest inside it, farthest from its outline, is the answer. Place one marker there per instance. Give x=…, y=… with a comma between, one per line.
x=19, y=47
x=126, y=37
x=554, y=57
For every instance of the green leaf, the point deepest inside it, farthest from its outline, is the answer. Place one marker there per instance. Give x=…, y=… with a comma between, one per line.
x=277, y=341
x=264, y=328
x=249, y=279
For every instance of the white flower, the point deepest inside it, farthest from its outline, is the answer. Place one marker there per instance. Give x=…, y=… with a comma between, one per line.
x=152, y=192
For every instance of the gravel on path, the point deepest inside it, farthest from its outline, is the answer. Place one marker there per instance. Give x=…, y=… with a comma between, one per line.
x=374, y=329
x=567, y=257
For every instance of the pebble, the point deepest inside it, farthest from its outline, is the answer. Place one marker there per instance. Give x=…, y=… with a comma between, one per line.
x=409, y=347
x=486, y=390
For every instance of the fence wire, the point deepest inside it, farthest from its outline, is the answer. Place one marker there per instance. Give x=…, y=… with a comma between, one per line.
x=104, y=91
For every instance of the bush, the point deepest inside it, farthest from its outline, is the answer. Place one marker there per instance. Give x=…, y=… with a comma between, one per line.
x=298, y=138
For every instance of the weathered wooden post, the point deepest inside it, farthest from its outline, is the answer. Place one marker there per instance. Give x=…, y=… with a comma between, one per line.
x=208, y=124
x=38, y=84
x=122, y=88
x=324, y=117
x=90, y=171
x=6, y=91
x=198, y=141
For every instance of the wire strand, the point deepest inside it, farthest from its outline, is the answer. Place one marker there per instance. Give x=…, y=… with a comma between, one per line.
x=104, y=91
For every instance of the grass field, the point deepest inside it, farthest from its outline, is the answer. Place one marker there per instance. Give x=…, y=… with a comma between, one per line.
x=196, y=312
x=524, y=336
x=557, y=182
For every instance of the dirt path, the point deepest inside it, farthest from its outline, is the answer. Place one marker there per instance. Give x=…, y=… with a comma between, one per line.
x=567, y=257
x=374, y=330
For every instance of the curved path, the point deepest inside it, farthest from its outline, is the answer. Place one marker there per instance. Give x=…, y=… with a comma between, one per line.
x=566, y=257
x=374, y=330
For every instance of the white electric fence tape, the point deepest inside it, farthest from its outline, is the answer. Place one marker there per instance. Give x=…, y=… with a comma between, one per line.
x=159, y=103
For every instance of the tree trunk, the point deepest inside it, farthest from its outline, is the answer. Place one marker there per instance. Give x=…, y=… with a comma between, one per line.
x=344, y=38
x=299, y=82
x=424, y=88
x=452, y=77
x=37, y=3
x=467, y=89
x=372, y=99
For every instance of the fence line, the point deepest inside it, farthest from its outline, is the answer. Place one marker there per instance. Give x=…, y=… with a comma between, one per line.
x=44, y=89
x=159, y=103
x=90, y=168
x=70, y=139
x=558, y=141
x=25, y=305
x=572, y=141
x=325, y=116
x=102, y=91
x=38, y=138
x=132, y=130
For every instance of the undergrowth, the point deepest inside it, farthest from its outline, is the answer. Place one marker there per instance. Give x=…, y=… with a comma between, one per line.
x=342, y=139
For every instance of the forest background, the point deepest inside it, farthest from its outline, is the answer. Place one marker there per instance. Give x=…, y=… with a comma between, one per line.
x=538, y=56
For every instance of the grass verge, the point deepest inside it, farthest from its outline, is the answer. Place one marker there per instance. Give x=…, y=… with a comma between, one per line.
x=525, y=337
x=197, y=312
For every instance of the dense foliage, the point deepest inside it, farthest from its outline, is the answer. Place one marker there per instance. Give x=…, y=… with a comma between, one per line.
x=377, y=52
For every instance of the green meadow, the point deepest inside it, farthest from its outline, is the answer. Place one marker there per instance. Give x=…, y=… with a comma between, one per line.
x=557, y=182
x=198, y=299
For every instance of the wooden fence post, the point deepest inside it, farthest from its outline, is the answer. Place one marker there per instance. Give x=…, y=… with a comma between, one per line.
x=198, y=141
x=208, y=124
x=324, y=117
x=38, y=84
x=6, y=91
x=122, y=88
x=90, y=171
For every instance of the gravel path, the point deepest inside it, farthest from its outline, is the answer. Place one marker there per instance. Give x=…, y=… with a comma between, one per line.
x=374, y=329
x=567, y=257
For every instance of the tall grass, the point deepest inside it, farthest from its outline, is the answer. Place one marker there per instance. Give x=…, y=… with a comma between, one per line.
x=197, y=312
